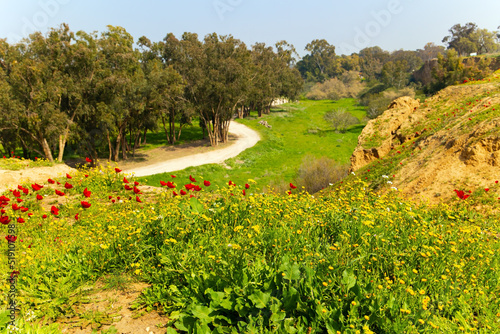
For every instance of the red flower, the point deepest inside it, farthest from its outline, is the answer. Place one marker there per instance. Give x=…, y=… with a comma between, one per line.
x=206, y=183
x=76, y=217
x=4, y=220
x=175, y=194
x=496, y=181
x=16, y=193
x=127, y=187
x=112, y=201
x=60, y=193
x=44, y=216
x=244, y=193
x=247, y=186
x=189, y=186
x=136, y=183
x=85, y=205
x=125, y=180
x=68, y=185
x=20, y=220
x=26, y=191
x=173, y=176
x=461, y=194
x=23, y=209
x=163, y=183
x=118, y=170
x=197, y=188
x=19, y=200
x=170, y=185
x=68, y=176
x=183, y=192
x=231, y=183
x=88, y=159
x=192, y=179
x=138, y=199
x=51, y=181
x=86, y=175
x=54, y=210
x=289, y=192
x=137, y=190
x=11, y=238
x=87, y=193
x=292, y=186
x=36, y=187
x=39, y=197
x=486, y=189
x=15, y=207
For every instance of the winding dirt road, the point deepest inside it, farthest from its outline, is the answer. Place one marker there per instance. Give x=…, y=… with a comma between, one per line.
x=246, y=139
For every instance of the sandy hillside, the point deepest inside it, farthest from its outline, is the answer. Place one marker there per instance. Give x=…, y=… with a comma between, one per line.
x=450, y=141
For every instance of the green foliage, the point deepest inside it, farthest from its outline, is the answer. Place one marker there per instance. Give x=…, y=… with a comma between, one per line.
x=340, y=120
x=297, y=129
x=318, y=173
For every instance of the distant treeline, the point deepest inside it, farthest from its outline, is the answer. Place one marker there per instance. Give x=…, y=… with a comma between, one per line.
x=92, y=90
x=376, y=76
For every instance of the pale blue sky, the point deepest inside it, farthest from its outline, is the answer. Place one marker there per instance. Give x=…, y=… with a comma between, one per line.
x=349, y=25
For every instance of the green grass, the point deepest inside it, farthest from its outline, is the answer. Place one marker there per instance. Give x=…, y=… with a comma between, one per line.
x=343, y=260
x=297, y=130
x=17, y=164
x=158, y=138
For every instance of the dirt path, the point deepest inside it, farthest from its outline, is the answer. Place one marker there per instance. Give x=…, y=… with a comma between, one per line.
x=169, y=159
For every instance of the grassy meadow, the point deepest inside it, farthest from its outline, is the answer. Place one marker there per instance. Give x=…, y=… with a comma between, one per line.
x=343, y=261
x=230, y=259
x=298, y=132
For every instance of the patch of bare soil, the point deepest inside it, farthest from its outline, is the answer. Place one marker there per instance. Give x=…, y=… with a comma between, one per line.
x=10, y=179
x=456, y=156
x=104, y=308
x=145, y=158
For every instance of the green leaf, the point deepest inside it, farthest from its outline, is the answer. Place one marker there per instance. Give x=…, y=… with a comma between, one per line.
x=260, y=299
x=196, y=205
x=170, y=330
x=202, y=313
x=291, y=271
x=348, y=278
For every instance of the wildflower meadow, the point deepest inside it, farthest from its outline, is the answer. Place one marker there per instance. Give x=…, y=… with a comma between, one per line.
x=231, y=260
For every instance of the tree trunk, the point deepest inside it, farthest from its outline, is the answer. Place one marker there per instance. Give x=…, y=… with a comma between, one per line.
x=117, y=147
x=144, y=137
x=165, y=129
x=110, y=146
x=46, y=150
x=124, y=148
x=64, y=138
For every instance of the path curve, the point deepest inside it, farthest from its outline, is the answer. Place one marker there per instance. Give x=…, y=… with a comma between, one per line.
x=246, y=139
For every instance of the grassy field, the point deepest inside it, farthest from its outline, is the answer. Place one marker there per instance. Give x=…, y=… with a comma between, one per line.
x=344, y=261
x=298, y=130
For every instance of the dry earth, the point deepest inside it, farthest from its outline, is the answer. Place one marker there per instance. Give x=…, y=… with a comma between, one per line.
x=453, y=157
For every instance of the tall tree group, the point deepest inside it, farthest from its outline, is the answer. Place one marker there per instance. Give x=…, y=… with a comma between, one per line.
x=96, y=90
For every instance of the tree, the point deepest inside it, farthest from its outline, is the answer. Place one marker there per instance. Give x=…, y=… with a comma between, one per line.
x=396, y=73
x=321, y=62
x=469, y=38
x=430, y=51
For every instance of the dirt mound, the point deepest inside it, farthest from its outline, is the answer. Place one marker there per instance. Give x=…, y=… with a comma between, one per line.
x=11, y=178
x=450, y=141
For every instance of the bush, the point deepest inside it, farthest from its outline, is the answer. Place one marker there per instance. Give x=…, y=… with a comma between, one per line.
x=317, y=173
x=378, y=103
x=348, y=85
x=340, y=119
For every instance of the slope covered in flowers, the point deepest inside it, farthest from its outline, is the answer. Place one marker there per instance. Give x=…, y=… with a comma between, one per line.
x=229, y=260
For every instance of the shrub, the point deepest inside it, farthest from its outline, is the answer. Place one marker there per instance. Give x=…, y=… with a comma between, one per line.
x=340, y=119
x=317, y=173
x=348, y=85
x=378, y=103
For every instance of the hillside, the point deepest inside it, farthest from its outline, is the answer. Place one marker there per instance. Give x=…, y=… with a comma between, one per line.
x=449, y=142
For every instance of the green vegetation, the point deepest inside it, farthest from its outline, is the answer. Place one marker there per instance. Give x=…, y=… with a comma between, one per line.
x=343, y=260
x=297, y=130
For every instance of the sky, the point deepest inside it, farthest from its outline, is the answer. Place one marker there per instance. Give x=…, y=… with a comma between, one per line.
x=348, y=25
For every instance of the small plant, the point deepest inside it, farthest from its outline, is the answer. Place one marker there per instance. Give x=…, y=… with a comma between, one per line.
x=318, y=173
x=340, y=119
